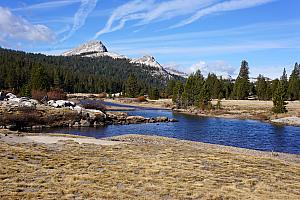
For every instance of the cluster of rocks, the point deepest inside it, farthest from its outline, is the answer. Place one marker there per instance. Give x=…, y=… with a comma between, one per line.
x=82, y=117
x=123, y=118
x=12, y=101
x=93, y=118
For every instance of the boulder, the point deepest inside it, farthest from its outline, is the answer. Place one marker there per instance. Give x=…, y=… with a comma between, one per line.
x=135, y=119
x=173, y=120
x=27, y=104
x=78, y=109
x=2, y=96
x=14, y=100
x=85, y=123
x=33, y=101
x=61, y=104
x=162, y=119
x=76, y=124
x=10, y=96
x=37, y=127
x=94, y=115
x=11, y=127
x=152, y=120
x=98, y=124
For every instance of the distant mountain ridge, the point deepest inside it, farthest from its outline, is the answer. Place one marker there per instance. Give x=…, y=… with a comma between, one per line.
x=98, y=49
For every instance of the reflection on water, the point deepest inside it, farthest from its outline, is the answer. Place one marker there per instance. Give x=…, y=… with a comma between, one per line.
x=240, y=133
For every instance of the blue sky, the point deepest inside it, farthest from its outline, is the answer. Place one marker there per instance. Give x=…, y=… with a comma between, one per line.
x=211, y=35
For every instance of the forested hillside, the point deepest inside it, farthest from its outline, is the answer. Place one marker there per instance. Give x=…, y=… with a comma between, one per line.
x=19, y=71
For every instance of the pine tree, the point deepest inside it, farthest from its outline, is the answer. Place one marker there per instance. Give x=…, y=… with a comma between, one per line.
x=294, y=84
x=132, y=86
x=204, y=97
x=262, y=88
x=189, y=93
x=177, y=94
x=25, y=91
x=279, y=105
x=154, y=94
x=192, y=88
x=241, y=86
x=285, y=83
x=170, y=87
x=56, y=79
x=39, y=79
x=228, y=88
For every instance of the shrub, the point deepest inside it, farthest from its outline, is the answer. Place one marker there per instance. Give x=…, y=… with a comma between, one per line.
x=219, y=106
x=38, y=94
x=102, y=95
x=93, y=104
x=56, y=94
x=141, y=99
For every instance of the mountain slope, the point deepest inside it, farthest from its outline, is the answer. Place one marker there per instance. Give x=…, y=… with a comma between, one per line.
x=75, y=73
x=176, y=72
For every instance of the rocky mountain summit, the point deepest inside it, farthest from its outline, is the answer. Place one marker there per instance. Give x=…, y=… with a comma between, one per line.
x=88, y=48
x=92, y=49
x=97, y=49
x=147, y=60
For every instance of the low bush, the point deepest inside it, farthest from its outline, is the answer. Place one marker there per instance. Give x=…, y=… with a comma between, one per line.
x=94, y=104
x=38, y=94
x=141, y=99
x=102, y=95
x=56, y=94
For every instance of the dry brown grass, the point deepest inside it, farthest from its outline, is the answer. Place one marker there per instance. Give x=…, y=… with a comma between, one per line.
x=156, y=168
x=259, y=106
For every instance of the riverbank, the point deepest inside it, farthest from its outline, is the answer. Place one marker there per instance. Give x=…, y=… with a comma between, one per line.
x=143, y=167
x=231, y=109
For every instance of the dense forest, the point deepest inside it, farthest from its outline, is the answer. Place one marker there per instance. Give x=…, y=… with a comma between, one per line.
x=23, y=72
x=198, y=91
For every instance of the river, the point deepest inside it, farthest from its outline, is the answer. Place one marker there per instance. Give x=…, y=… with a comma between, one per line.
x=249, y=134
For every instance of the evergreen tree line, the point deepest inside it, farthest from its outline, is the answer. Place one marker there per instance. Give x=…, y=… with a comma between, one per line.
x=23, y=72
x=198, y=91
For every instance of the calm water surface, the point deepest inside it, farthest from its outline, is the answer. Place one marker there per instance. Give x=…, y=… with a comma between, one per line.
x=249, y=134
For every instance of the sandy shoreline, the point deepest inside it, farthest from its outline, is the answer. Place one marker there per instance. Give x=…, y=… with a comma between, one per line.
x=13, y=137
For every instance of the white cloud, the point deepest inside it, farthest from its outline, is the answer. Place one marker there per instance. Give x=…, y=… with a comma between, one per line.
x=174, y=8
x=281, y=28
x=211, y=50
x=148, y=11
x=124, y=13
x=86, y=7
x=15, y=27
x=222, y=7
x=220, y=68
x=47, y=5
